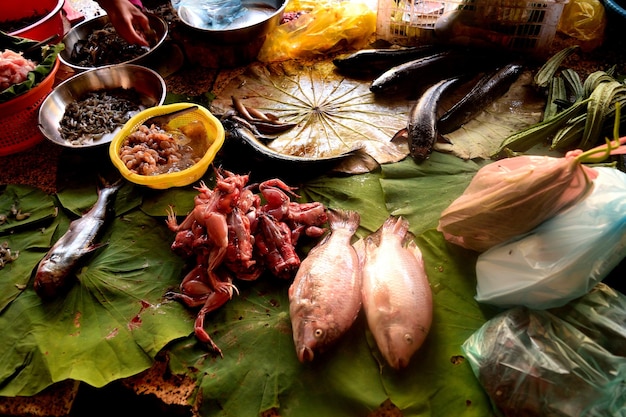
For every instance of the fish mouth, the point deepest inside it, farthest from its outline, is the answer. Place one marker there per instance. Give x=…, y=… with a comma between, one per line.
x=305, y=354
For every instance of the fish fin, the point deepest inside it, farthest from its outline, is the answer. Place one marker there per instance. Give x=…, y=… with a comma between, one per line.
x=95, y=247
x=396, y=225
x=104, y=183
x=347, y=219
x=415, y=250
x=401, y=136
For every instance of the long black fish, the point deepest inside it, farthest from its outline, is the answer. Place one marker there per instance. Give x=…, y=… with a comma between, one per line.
x=486, y=90
x=55, y=269
x=240, y=132
x=381, y=59
x=422, y=126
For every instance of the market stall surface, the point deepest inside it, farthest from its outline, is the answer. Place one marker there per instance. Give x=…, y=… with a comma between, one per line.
x=148, y=346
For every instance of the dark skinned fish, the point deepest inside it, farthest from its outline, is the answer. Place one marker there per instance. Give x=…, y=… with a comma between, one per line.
x=241, y=132
x=55, y=269
x=421, y=129
x=486, y=90
x=381, y=59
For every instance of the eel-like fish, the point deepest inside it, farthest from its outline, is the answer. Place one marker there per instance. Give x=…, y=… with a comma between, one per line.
x=241, y=132
x=325, y=296
x=55, y=269
x=381, y=59
x=422, y=126
x=487, y=89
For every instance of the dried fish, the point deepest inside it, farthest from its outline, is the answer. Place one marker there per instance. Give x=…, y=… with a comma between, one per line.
x=97, y=113
x=104, y=47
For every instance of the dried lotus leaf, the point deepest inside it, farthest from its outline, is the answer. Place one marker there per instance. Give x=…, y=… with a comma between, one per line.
x=332, y=114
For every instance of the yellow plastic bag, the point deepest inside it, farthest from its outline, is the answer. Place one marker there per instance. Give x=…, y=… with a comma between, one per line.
x=324, y=27
x=584, y=20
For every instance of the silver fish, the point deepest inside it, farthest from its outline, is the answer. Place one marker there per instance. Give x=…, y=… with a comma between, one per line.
x=55, y=268
x=325, y=297
x=397, y=299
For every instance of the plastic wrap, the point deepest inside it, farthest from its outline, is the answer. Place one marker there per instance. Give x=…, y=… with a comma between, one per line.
x=512, y=196
x=584, y=20
x=565, y=256
x=538, y=363
x=327, y=27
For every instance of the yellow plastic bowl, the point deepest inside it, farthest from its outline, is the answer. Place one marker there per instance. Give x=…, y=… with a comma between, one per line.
x=215, y=138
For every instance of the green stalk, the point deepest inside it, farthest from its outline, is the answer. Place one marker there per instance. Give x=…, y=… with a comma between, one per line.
x=547, y=70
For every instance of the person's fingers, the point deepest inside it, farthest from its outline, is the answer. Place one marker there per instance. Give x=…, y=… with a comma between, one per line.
x=126, y=28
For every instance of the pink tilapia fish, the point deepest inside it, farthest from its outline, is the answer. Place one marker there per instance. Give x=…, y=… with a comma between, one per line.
x=397, y=299
x=325, y=296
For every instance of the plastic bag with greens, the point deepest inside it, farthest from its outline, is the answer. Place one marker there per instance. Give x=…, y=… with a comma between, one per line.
x=564, y=257
x=45, y=62
x=549, y=363
x=512, y=196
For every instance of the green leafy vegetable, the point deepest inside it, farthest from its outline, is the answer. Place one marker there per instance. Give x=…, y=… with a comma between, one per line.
x=44, y=67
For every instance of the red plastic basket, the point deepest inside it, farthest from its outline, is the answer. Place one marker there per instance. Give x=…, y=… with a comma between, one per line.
x=50, y=24
x=20, y=117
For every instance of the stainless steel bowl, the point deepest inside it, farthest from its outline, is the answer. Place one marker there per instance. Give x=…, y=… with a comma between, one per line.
x=148, y=83
x=82, y=31
x=260, y=17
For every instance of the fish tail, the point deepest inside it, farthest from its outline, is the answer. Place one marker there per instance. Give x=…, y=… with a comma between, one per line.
x=104, y=183
x=344, y=219
x=396, y=225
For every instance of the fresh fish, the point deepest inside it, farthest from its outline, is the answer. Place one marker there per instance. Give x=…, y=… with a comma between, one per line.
x=54, y=270
x=381, y=59
x=403, y=77
x=486, y=90
x=422, y=126
x=244, y=143
x=325, y=297
x=397, y=299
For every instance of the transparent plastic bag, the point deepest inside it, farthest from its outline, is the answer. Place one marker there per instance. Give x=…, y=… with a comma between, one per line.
x=209, y=14
x=564, y=257
x=537, y=363
x=584, y=20
x=327, y=27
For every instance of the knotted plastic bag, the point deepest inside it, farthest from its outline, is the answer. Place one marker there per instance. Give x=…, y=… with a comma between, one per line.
x=564, y=257
x=584, y=20
x=512, y=196
x=549, y=363
x=326, y=27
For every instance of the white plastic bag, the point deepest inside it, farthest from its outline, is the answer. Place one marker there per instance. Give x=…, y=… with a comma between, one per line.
x=564, y=257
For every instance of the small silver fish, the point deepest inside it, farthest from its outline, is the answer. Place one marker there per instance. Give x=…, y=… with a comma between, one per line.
x=325, y=297
x=54, y=269
x=397, y=299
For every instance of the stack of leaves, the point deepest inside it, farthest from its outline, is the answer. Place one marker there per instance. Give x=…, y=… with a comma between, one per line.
x=577, y=115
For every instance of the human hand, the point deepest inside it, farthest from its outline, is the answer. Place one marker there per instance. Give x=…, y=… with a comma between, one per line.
x=129, y=21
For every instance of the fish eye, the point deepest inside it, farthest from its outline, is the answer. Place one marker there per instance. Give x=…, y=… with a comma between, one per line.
x=318, y=332
x=408, y=338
